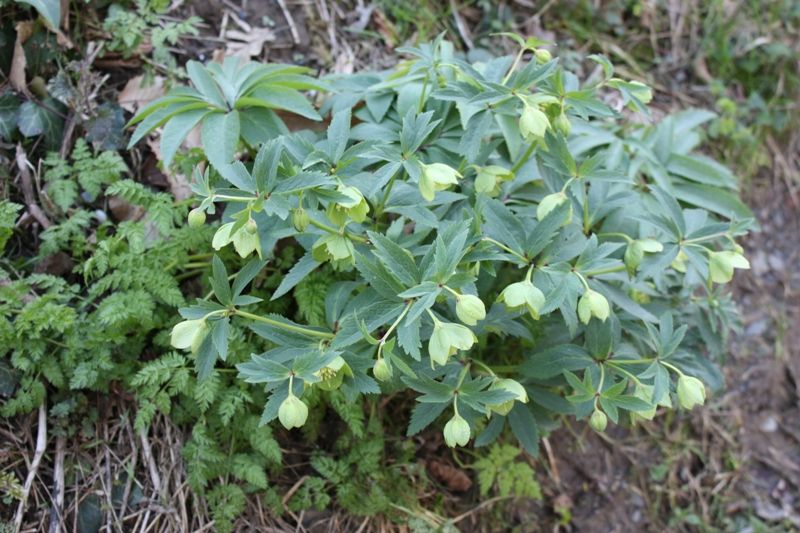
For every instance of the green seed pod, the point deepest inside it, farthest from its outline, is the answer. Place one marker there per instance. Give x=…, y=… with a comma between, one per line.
x=197, y=217
x=381, y=370
x=456, y=431
x=293, y=412
x=598, y=421
x=300, y=219
x=470, y=309
x=592, y=303
x=691, y=392
x=563, y=124
x=542, y=55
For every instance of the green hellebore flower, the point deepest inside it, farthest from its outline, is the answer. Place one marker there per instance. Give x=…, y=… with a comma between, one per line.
x=512, y=386
x=634, y=253
x=244, y=242
x=489, y=178
x=436, y=177
x=721, y=265
x=523, y=293
x=456, y=431
x=251, y=227
x=679, y=263
x=356, y=206
x=197, y=217
x=293, y=412
x=447, y=338
x=333, y=374
x=550, y=202
x=381, y=370
x=592, y=303
x=533, y=123
x=645, y=393
x=691, y=391
x=470, y=309
x=332, y=247
x=189, y=334
x=300, y=219
x=598, y=421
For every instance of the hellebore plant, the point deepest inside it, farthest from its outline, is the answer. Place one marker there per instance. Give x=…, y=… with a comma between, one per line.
x=505, y=243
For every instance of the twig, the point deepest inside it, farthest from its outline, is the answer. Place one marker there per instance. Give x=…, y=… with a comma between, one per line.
x=41, y=443
x=57, y=511
x=290, y=21
x=26, y=183
x=462, y=28
x=151, y=464
x=552, y=460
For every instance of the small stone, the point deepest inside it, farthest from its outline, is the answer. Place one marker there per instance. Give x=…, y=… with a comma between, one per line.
x=769, y=425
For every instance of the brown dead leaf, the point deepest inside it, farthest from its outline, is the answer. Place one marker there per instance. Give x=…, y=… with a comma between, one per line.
x=16, y=74
x=455, y=479
x=178, y=184
x=248, y=44
x=135, y=95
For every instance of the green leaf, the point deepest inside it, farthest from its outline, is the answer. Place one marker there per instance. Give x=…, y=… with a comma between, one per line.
x=553, y=361
x=524, y=427
x=423, y=415
x=50, y=10
x=398, y=260
x=219, y=281
x=220, y=136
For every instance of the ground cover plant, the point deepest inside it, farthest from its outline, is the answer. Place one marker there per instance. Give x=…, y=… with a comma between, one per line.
x=463, y=216
x=392, y=283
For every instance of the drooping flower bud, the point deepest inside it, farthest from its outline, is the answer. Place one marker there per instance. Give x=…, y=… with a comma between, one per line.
x=563, y=125
x=598, y=421
x=355, y=206
x=470, y=309
x=293, y=412
x=512, y=386
x=300, y=219
x=523, y=293
x=456, y=431
x=436, y=177
x=197, y=217
x=251, y=227
x=381, y=370
x=542, y=55
x=592, y=303
x=721, y=265
x=691, y=391
x=533, y=123
x=186, y=334
x=634, y=253
x=679, y=263
x=246, y=239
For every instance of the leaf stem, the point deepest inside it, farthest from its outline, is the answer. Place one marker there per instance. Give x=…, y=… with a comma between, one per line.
x=524, y=159
x=288, y=327
x=507, y=249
